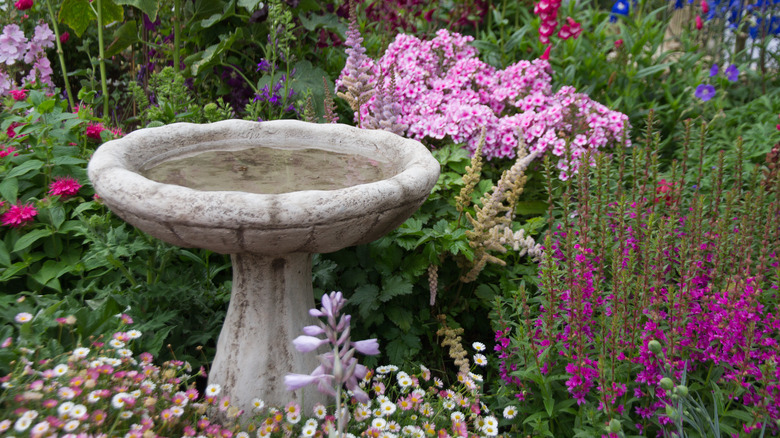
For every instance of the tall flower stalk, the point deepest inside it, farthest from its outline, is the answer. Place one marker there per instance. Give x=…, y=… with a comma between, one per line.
x=60, y=53
x=338, y=367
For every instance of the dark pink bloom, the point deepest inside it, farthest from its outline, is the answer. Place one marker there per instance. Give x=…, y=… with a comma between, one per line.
x=546, y=54
x=619, y=43
x=23, y=5
x=19, y=94
x=19, y=214
x=93, y=130
x=705, y=7
x=699, y=23
x=64, y=37
x=10, y=150
x=64, y=187
x=11, y=131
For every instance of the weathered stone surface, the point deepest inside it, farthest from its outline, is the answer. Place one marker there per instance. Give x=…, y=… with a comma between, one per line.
x=270, y=237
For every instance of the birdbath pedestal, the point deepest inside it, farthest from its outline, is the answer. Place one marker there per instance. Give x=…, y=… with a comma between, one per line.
x=257, y=192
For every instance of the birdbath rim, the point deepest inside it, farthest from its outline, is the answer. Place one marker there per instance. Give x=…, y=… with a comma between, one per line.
x=177, y=214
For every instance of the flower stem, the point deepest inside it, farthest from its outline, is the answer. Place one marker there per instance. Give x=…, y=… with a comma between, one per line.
x=102, y=59
x=60, y=54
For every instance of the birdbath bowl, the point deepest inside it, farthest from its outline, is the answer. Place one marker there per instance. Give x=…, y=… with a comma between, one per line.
x=269, y=194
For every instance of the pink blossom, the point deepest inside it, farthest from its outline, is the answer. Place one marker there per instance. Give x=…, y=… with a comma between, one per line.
x=19, y=94
x=19, y=215
x=23, y=5
x=93, y=130
x=64, y=187
x=64, y=37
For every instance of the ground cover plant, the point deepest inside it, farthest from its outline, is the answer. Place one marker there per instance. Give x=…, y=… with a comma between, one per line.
x=556, y=282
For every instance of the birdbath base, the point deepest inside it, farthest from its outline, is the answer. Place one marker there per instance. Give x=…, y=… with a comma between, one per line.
x=268, y=308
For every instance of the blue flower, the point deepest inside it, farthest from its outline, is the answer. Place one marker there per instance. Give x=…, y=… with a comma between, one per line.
x=705, y=92
x=621, y=7
x=732, y=73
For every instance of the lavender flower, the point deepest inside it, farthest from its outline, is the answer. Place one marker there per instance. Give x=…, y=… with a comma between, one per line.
x=337, y=367
x=732, y=73
x=714, y=70
x=705, y=92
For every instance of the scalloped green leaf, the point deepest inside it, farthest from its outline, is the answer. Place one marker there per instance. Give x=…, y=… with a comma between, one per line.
x=148, y=7
x=78, y=14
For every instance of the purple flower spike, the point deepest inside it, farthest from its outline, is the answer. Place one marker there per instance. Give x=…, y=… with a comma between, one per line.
x=705, y=92
x=732, y=73
x=338, y=368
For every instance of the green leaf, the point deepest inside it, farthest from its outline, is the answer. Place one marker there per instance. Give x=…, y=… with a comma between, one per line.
x=5, y=256
x=25, y=167
x=365, y=297
x=739, y=415
x=530, y=208
x=400, y=317
x=46, y=106
x=394, y=286
x=79, y=13
x=647, y=71
x=9, y=189
x=126, y=35
x=208, y=56
x=309, y=78
x=50, y=270
x=249, y=5
x=30, y=238
x=13, y=270
x=486, y=293
x=148, y=7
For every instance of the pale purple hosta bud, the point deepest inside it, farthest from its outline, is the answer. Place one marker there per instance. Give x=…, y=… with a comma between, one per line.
x=298, y=381
x=305, y=344
x=369, y=347
x=313, y=330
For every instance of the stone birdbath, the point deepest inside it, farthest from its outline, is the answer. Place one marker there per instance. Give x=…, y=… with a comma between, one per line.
x=269, y=194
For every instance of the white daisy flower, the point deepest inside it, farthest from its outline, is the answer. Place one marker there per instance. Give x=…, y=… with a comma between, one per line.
x=22, y=424
x=40, y=428
x=213, y=390
x=78, y=411
x=309, y=431
x=71, y=425
x=257, y=405
x=32, y=414
x=311, y=422
x=80, y=353
x=293, y=417
x=491, y=421
x=60, y=369
x=510, y=412
x=116, y=343
x=388, y=408
x=490, y=430
x=125, y=414
x=448, y=405
x=320, y=411
x=480, y=360
x=479, y=346
x=65, y=408
x=133, y=334
x=242, y=435
x=124, y=352
x=378, y=423
x=457, y=416
x=118, y=400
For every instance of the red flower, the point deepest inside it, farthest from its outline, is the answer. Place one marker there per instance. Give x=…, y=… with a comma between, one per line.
x=705, y=7
x=19, y=94
x=64, y=187
x=619, y=43
x=19, y=214
x=94, y=130
x=699, y=24
x=6, y=151
x=23, y=5
x=64, y=37
x=665, y=189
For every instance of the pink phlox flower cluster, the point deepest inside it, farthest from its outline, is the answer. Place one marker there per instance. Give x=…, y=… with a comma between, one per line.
x=15, y=47
x=64, y=187
x=443, y=90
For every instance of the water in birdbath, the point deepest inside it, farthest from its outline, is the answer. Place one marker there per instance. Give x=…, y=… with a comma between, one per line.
x=268, y=170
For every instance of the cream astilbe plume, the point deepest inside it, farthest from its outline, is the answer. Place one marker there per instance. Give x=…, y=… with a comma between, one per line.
x=471, y=178
x=491, y=229
x=357, y=79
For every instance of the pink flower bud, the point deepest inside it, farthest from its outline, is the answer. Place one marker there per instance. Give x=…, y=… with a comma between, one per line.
x=64, y=37
x=546, y=54
x=705, y=7
x=699, y=24
x=305, y=344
